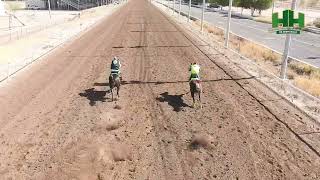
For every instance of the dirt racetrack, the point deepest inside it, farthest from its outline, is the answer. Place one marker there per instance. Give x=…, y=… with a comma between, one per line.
x=57, y=121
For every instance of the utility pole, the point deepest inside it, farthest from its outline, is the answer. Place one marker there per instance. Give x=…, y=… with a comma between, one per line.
x=202, y=15
x=189, y=11
x=284, y=65
x=174, y=5
x=49, y=8
x=179, y=9
x=272, y=7
x=10, y=20
x=227, y=35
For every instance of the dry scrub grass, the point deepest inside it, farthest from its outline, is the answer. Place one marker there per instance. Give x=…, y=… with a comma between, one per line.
x=302, y=69
x=257, y=52
x=317, y=22
x=216, y=33
x=310, y=84
x=306, y=77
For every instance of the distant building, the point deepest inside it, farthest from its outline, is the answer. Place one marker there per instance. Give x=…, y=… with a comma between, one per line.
x=59, y=4
x=68, y=4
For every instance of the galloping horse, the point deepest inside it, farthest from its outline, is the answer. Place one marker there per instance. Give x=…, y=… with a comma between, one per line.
x=195, y=88
x=114, y=81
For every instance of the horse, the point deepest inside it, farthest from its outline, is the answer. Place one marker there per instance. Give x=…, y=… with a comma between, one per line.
x=195, y=88
x=114, y=82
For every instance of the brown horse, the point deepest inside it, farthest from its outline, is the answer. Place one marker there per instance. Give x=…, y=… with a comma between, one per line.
x=195, y=88
x=114, y=82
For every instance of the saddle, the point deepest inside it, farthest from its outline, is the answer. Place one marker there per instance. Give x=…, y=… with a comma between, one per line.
x=114, y=75
x=196, y=80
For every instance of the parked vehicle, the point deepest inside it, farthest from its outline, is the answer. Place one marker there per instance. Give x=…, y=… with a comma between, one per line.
x=213, y=5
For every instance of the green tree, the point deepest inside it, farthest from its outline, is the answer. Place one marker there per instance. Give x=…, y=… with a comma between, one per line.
x=262, y=5
x=223, y=2
x=196, y=1
x=244, y=4
x=212, y=1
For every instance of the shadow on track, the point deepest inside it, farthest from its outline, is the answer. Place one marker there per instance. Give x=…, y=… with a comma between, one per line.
x=175, y=101
x=174, y=82
x=94, y=96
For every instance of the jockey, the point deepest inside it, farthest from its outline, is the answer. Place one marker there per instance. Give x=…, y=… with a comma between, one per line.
x=194, y=71
x=115, y=66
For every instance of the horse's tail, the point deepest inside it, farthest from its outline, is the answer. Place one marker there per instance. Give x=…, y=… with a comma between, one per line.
x=117, y=82
x=111, y=81
x=195, y=86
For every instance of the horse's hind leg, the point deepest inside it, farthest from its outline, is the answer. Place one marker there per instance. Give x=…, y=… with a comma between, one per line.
x=111, y=94
x=118, y=92
x=193, y=100
x=200, y=99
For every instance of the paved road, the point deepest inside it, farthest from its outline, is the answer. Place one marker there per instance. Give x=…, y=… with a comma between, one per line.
x=305, y=47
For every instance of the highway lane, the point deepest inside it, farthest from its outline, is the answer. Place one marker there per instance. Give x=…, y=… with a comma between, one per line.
x=305, y=46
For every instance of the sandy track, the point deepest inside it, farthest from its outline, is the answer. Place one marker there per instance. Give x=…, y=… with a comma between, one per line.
x=57, y=121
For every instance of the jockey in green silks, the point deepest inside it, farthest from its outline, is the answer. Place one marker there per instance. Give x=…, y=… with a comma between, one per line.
x=194, y=71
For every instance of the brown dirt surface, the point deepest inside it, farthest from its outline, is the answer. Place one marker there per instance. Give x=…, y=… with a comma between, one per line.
x=58, y=121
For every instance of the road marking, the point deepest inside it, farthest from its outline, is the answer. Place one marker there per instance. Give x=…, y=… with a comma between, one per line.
x=306, y=43
x=269, y=38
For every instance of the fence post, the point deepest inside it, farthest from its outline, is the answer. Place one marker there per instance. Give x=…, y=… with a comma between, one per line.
x=202, y=15
x=226, y=42
x=8, y=71
x=174, y=6
x=179, y=9
x=189, y=11
x=49, y=8
x=284, y=65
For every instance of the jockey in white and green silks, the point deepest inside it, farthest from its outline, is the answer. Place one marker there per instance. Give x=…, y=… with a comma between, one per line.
x=115, y=66
x=194, y=71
